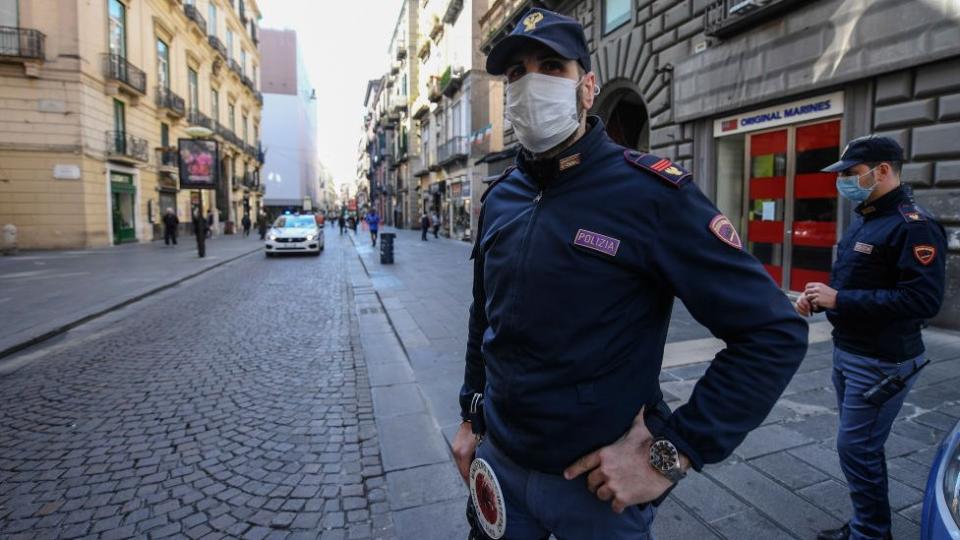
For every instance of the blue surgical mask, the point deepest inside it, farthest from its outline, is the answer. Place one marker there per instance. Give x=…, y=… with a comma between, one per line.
x=849, y=187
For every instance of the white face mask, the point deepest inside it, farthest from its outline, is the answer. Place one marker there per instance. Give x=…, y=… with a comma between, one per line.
x=543, y=110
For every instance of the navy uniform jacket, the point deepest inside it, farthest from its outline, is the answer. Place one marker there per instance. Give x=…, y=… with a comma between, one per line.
x=890, y=277
x=576, y=268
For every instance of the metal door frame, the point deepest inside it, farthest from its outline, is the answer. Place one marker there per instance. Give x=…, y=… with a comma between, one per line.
x=788, y=196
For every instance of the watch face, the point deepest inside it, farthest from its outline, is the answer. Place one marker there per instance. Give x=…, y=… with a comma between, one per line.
x=664, y=456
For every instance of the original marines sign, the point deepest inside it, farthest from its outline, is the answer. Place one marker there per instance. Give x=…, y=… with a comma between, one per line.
x=779, y=115
x=488, y=499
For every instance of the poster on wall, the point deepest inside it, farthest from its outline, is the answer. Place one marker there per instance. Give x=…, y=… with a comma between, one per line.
x=199, y=163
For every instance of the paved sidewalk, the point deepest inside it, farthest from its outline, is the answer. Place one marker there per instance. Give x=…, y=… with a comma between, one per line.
x=42, y=292
x=782, y=482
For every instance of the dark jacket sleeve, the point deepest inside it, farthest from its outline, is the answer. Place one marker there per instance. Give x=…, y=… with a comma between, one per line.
x=918, y=293
x=474, y=376
x=728, y=291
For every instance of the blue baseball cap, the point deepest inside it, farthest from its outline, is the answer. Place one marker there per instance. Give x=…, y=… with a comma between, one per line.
x=561, y=34
x=868, y=149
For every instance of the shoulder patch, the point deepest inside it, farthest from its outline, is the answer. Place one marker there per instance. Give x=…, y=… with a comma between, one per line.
x=662, y=168
x=721, y=227
x=499, y=179
x=910, y=213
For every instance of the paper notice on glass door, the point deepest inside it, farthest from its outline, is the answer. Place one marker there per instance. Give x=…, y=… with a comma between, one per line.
x=769, y=211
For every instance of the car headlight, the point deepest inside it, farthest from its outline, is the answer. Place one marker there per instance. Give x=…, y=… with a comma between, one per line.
x=272, y=237
x=951, y=478
x=311, y=237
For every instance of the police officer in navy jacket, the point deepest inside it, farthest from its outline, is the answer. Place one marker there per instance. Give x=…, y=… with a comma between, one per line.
x=581, y=250
x=887, y=281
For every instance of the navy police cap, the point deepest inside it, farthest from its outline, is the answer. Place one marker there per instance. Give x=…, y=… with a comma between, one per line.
x=561, y=34
x=868, y=149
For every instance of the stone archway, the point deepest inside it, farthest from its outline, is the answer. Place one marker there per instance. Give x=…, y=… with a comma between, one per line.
x=624, y=112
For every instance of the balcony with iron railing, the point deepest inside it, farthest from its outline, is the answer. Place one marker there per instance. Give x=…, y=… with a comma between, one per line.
x=197, y=118
x=259, y=96
x=456, y=148
x=173, y=104
x=218, y=46
x=167, y=159
x=117, y=68
x=248, y=82
x=21, y=43
x=235, y=67
x=724, y=18
x=194, y=15
x=450, y=81
x=499, y=20
x=454, y=7
x=124, y=147
x=434, y=93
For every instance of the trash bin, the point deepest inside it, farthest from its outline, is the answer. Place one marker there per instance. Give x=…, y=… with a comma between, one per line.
x=386, y=248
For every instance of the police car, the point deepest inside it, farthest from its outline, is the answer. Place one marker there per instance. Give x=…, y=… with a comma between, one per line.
x=941, y=503
x=294, y=234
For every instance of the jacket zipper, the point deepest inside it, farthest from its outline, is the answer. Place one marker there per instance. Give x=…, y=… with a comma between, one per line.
x=522, y=255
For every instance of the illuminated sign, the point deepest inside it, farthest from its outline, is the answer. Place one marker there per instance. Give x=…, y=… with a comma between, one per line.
x=779, y=115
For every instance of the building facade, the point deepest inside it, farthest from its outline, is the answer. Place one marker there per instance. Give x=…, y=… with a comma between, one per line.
x=291, y=164
x=431, y=117
x=95, y=96
x=756, y=97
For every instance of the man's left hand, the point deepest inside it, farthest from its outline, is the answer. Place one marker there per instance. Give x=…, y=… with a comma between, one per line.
x=621, y=472
x=821, y=296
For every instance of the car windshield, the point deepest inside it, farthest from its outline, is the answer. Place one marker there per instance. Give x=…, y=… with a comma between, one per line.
x=295, y=222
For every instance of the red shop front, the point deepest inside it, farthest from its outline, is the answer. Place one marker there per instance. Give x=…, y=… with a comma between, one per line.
x=769, y=181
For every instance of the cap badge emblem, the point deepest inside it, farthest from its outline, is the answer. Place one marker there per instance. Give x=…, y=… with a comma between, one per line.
x=532, y=20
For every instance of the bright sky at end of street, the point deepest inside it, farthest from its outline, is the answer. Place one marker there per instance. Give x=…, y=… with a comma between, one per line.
x=344, y=45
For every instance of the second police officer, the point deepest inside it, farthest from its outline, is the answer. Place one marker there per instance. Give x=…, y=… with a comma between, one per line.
x=887, y=280
x=580, y=253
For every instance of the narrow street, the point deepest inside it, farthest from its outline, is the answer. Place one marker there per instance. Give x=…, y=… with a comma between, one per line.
x=234, y=405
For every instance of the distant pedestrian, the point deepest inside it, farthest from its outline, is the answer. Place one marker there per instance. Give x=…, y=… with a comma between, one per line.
x=424, y=226
x=200, y=230
x=263, y=224
x=373, y=221
x=435, y=220
x=246, y=224
x=342, y=222
x=209, y=231
x=170, y=223
x=353, y=224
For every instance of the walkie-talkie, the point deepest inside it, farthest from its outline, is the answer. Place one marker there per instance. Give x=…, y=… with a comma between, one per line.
x=890, y=386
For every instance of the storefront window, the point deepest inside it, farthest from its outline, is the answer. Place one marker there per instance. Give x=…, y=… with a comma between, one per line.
x=616, y=13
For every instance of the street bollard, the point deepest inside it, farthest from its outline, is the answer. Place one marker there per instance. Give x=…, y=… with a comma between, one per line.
x=386, y=248
x=9, y=246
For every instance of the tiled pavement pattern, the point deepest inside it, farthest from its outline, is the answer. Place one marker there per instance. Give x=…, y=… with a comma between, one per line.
x=784, y=481
x=234, y=405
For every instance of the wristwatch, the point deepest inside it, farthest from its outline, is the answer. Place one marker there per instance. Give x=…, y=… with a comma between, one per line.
x=665, y=458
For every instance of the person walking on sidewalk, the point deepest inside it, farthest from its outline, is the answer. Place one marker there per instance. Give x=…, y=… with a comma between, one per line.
x=209, y=223
x=373, y=221
x=424, y=225
x=435, y=221
x=342, y=222
x=246, y=225
x=888, y=279
x=170, y=224
x=200, y=230
x=574, y=282
x=263, y=224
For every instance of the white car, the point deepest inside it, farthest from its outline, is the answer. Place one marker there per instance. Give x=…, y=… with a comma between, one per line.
x=294, y=234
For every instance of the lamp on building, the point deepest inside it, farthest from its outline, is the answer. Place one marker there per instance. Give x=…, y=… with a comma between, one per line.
x=198, y=132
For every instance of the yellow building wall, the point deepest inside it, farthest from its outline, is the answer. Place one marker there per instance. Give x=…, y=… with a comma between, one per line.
x=62, y=117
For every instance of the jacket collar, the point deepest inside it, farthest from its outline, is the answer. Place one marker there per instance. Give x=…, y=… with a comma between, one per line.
x=552, y=171
x=884, y=204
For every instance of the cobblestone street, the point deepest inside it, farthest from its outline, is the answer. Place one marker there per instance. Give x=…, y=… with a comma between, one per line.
x=214, y=409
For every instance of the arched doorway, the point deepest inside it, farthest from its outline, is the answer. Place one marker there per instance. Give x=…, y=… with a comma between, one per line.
x=621, y=107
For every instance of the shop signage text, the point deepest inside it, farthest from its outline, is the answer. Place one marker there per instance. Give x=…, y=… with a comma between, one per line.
x=789, y=113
